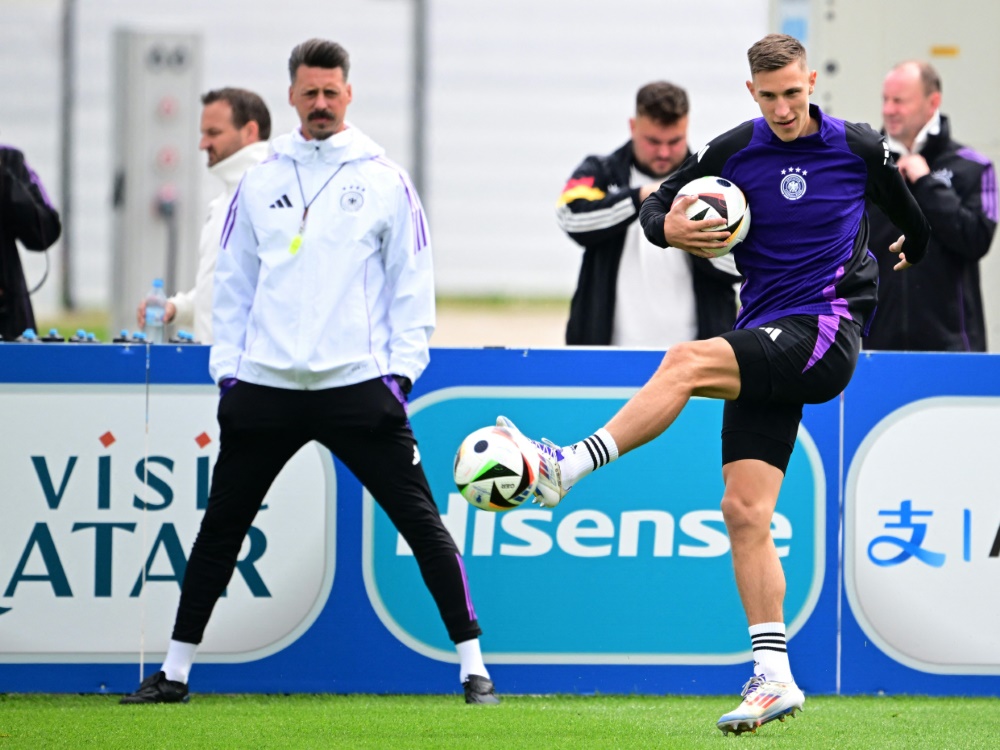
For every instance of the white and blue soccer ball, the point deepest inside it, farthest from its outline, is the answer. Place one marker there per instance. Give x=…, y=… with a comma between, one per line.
x=493, y=472
x=719, y=198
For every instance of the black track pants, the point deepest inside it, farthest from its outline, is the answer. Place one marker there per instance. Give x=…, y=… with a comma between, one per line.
x=363, y=425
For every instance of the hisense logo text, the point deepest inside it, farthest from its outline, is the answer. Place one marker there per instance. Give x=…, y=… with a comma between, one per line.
x=527, y=532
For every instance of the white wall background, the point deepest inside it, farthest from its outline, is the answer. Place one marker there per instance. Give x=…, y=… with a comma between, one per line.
x=854, y=43
x=519, y=92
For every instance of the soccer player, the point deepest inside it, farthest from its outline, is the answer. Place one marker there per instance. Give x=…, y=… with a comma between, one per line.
x=810, y=292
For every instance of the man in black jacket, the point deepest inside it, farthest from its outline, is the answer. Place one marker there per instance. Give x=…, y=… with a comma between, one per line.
x=630, y=292
x=27, y=216
x=938, y=306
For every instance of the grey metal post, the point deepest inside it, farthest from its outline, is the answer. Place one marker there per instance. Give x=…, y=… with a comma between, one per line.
x=417, y=172
x=66, y=151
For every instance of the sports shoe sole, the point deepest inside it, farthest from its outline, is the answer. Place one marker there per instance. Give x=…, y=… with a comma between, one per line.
x=739, y=726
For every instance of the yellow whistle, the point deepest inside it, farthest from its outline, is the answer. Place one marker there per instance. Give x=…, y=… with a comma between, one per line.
x=296, y=244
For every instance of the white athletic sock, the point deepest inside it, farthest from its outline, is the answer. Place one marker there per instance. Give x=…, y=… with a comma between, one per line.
x=770, y=652
x=180, y=657
x=471, y=660
x=580, y=459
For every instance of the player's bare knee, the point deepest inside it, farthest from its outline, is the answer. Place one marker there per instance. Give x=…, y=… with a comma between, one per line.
x=681, y=364
x=744, y=514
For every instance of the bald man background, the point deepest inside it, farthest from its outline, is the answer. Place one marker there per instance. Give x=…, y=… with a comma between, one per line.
x=937, y=305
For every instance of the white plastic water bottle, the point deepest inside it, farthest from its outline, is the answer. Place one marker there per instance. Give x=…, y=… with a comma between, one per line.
x=156, y=307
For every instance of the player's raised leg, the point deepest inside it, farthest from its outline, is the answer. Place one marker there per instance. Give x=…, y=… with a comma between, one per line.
x=697, y=368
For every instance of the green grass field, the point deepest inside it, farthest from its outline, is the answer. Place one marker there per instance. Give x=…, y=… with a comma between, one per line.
x=520, y=722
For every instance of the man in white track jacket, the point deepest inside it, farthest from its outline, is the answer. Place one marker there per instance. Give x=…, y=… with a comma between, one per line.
x=325, y=277
x=323, y=307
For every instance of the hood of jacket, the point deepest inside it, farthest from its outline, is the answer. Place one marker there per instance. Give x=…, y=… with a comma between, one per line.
x=350, y=144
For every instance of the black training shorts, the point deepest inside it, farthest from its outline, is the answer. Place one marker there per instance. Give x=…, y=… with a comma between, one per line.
x=801, y=359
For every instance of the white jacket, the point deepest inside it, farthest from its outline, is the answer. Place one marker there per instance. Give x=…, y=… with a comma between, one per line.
x=195, y=307
x=353, y=301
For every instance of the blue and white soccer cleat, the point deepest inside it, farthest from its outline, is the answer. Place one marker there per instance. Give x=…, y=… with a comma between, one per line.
x=763, y=701
x=549, y=490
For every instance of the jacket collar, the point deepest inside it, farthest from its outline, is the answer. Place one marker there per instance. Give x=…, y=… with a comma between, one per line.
x=935, y=131
x=348, y=145
x=231, y=169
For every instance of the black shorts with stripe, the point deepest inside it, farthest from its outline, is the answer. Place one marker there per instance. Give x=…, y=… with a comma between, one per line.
x=792, y=361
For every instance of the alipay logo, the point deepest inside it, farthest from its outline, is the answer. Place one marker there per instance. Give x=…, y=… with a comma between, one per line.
x=920, y=541
x=634, y=564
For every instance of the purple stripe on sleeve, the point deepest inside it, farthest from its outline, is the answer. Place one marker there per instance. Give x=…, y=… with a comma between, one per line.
x=465, y=585
x=989, y=182
x=416, y=215
x=423, y=230
x=419, y=224
x=989, y=193
x=227, y=227
x=973, y=155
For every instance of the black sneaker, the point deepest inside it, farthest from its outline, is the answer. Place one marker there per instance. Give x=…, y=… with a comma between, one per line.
x=158, y=689
x=478, y=690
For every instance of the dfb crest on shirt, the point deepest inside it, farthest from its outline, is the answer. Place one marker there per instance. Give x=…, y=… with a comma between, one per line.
x=793, y=183
x=352, y=198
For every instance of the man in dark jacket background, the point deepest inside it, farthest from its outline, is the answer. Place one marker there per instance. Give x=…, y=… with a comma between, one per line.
x=26, y=216
x=630, y=292
x=938, y=305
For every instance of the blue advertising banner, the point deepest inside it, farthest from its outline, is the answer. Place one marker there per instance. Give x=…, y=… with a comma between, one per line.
x=922, y=525
x=640, y=547
x=627, y=586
